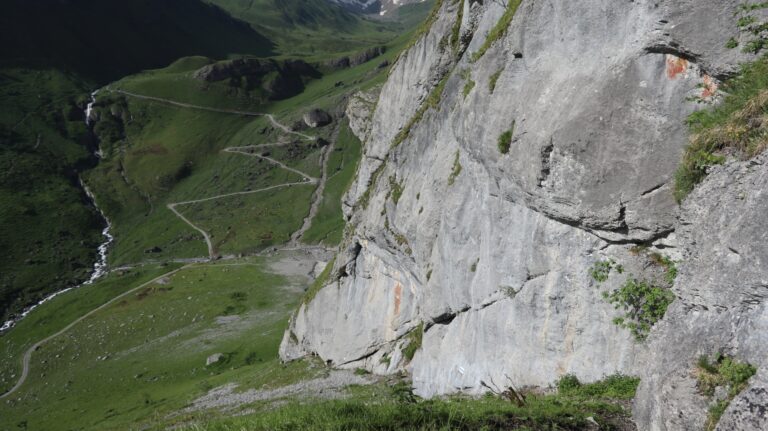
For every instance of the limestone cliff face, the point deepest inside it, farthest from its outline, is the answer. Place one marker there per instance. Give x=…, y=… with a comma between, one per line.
x=489, y=252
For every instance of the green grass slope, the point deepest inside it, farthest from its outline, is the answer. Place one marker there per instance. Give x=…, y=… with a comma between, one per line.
x=328, y=225
x=144, y=356
x=105, y=40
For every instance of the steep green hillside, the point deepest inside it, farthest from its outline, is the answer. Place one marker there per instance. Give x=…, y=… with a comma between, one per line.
x=105, y=40
x=48, y=233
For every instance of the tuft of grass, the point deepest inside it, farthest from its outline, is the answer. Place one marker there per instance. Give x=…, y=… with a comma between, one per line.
x=397, y=408
x=319, y=282
x=499, y=30
x=732, y=43
x=725, y=372
x=617, y=386
x=737, y=125
x=424, y=28
x=468, y=86
x=456, y=170
x=505, y=139
x=456, y=30
x=432, y=101
x=414, y=342
x=493, y=80
x=395, y=189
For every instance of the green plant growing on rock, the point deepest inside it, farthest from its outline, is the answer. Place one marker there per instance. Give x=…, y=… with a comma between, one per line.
x=493, y=80
x=499, y=30
x=468, y=86
x=319, y=282
x=616, y=386
x=456, y=30
x=724, y=372
x=414, y=342
x=736, y=126
x=505, y=139
x=602, y=269
x=456, y=170
x=395, y=189
x=644, y=304
x=668, y=264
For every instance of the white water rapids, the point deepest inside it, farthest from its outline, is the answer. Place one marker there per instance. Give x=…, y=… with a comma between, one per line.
x=100, y=266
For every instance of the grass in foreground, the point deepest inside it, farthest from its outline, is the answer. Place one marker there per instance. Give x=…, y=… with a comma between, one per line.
x=399, y=409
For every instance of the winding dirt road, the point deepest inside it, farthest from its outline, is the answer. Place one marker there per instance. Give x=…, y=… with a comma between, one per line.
x=31, y=350
x=212, y=255
x=308, y=179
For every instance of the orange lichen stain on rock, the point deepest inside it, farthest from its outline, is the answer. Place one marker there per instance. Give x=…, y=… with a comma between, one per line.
x=675, y=66
x=710, y=87
x=398, y=298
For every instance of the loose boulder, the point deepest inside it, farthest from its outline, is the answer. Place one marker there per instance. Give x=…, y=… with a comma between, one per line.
x=317, y=118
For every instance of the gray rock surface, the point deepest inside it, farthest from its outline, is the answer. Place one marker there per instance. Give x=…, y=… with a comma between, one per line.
x=317, y=118
x=490, y=253
x=722, y=304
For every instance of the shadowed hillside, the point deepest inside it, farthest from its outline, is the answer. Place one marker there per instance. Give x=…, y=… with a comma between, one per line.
x=104, y=40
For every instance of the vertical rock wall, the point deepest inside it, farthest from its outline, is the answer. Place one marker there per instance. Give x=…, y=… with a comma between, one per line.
x=490, y=252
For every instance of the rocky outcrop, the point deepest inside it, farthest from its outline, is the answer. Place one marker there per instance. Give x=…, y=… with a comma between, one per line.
x=488, y=249
x=317, y=118
x=357, y=59
x=279, y=80
x=722, y=305
x=360, y=110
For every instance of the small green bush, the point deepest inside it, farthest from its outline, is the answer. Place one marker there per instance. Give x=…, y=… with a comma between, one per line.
x=602, y=269
x=732, y=43
x=644, y=305
x=569, y=383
